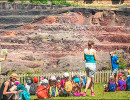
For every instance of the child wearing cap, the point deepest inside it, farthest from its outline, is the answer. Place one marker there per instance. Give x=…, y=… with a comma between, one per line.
x=121, y=85
x=33, y=86
x=68, y=85
x=111, y=86
x=53, y=90
x=43, y=89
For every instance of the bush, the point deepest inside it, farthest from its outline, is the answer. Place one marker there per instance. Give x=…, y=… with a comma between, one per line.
x=39, y=1
x=10, y=0
x=44, y=2
x=122, y=63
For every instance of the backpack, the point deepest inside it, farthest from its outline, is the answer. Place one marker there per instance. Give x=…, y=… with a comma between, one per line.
x=68, y=86
x=33, y=88
x=53, y=91
x=23, y=95
x=42, y=92
x=128, y=83
x=112, y=86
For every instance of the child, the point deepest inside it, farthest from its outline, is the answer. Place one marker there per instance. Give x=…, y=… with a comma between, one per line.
x=43, y=90
x=29, y=81
x=41, y=79
x=83, y=81
x=33, y=86
x=128, y=81
x=68, y=85
x=58, y=83
x=76, y=88
x=111, y=86
x=23, y=93
x=53, y=91
x=121, y=82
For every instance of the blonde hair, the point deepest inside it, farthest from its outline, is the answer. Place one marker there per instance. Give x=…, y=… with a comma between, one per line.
x=14, y=75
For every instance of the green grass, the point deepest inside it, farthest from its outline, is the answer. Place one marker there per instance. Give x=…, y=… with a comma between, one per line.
x=100, y=94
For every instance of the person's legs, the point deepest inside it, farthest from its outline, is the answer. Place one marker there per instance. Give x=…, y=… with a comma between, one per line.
x=91, y=87
x=89, y=79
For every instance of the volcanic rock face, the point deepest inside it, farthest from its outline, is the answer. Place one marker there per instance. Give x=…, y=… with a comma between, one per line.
x=56, y=42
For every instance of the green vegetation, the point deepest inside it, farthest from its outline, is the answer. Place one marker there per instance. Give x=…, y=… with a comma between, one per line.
x=122, y=63
x=100, y=94
x=10, y=0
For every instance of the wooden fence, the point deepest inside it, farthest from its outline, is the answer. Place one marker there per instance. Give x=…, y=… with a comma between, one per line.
x=100, y=76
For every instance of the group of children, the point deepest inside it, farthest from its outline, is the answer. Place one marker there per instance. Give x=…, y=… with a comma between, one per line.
x=51, y=87
x=119, y=83
x=57, y=86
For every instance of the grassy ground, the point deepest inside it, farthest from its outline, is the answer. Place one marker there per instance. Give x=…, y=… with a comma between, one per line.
x=100, y=94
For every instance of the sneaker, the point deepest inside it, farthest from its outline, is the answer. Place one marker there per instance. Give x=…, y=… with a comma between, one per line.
x=92, y=94
x=84, y=94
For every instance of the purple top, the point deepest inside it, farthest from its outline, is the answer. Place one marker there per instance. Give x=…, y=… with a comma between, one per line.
x=122, y=84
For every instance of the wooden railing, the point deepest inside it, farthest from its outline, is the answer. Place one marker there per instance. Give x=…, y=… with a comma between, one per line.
x=100, y=76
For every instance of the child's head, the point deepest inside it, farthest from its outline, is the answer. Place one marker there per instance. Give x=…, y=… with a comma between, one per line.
x=58, y=79
x=66, y=75
x=112, y=79
x=42, y=78
x=53, y=81
x=35, y=80
x=16, y=83
x=44, y=82
x=119, y=76
x=29, y=81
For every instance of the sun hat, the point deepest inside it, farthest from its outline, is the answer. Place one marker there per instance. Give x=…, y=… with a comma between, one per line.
x=35, y=80
x=53, y=78
x=14, y=75
x=66, y=74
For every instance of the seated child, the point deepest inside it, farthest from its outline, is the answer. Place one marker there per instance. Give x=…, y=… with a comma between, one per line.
x=58, y=83
x=76, y=88
x=33, y=86
x=111, y=86
x=121, y=82
x=41, y=79
x=68, y=85
x=128, y=81
x=29, y=81
x=43, y=90
x=23, y=93
x=53, y=91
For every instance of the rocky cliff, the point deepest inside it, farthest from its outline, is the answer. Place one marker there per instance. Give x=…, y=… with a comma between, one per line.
x=53, y=38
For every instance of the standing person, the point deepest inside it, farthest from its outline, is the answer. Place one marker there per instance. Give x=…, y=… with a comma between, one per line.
x=3, y=52
x=90, y=58
x=115, y=63
x=5, y=92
